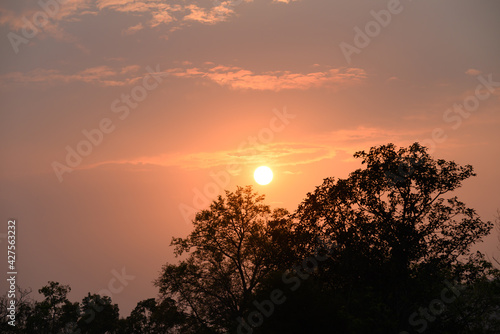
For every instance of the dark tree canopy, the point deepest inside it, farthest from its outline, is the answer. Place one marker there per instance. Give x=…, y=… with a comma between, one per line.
x=99, y=315
x=232, y=249
x=24, y=307
x=397, y=208
x=55, y=313
x=151, y=316
x=399, y=229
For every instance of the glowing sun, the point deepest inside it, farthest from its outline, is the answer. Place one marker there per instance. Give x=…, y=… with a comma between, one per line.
x=263, y=175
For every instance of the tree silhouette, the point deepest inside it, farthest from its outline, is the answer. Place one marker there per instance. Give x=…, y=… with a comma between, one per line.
x=231, y=250
x=24, y=310
x=155, y=317
x=99, y=315
x=398, y=230
x=55, y=312
x=496, y=258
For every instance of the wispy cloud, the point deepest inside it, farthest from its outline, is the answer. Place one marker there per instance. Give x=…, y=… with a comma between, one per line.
x=278, y=154
x=70, y=10
x=283, y=154
x=157, y=12
x=240, y=78
x=100, y=75
x=150, y=13
x=221, y=12
x=473, y=72
x=133, y=29
x=43, y=23
x=227, y=76
x=284, y=1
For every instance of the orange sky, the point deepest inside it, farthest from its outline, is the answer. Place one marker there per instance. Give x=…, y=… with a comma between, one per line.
x=164, y=103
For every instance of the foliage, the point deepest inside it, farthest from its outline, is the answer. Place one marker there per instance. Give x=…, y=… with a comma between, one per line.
x=99, y=315
x=55, y=312
x=155, y=317
x=24, y=310
x=234, y=246
x=399, y=232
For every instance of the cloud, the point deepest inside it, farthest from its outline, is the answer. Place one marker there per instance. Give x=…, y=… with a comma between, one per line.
x=131, y=6
x=227, y=76
x=133, y=29
x=11, y=19
x=37, y=21
x=175, y=14
x=159, y=12
x=99, y=75
x=472, y=72
x=277, y=154
x=312, y=149
x=288, y=172
x=240, y=78
x=212, y=15
x=393, y=79
x=173, y=11
x=70, y=10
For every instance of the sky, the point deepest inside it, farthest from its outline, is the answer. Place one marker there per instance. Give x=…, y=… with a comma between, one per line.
x=119, y=119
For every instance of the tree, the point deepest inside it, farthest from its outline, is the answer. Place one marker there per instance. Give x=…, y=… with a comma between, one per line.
x=398, y=230
x=99, y=315
x=477, y=308
x=155, y=317
x=234, y=246
x=69, y=317
x=497, y=227
x=55, y=312
x=24, y=306
x=139, y=320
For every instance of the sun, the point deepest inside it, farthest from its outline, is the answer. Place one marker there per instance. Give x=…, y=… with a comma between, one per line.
x=263, y=175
